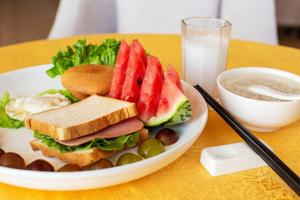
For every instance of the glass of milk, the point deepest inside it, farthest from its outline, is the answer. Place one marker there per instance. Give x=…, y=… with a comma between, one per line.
x=205, y=44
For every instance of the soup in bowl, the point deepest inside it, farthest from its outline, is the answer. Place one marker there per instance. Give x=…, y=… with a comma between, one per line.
x=258, y=112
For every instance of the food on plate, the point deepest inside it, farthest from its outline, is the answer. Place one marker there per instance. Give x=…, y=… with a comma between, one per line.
x=128, y=158
x=173, y=107
x=40, y=165
x=144, y=134
x=151, y=89
x=100, y=164
x=160, y=98
x=79, y=95
x=82, y=53
x=88, y=79
x=82, y=118
x=69, y=168
x=135, y=73
x=150, y=147
x=12, y=160
x=167, y=136
x=73, y=156
x=5, y=120
x=13, y=111
x=1, y=152
x=120, y=70
x=84, y=129
x=21, y=107
x=140, y=51
x=65, y=93
x=84, y=132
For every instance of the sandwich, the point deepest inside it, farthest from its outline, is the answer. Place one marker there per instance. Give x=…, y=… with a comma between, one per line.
x=84, y=132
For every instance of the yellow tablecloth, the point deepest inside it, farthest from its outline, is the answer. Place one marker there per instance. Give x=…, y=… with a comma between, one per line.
x=185, y=178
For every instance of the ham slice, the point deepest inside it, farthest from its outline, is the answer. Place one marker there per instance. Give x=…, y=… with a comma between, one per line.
x=122, y=128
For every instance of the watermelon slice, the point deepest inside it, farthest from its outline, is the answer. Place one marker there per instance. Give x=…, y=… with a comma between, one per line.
x=151, y=89
x=174, y=107
x=173, y=75
x=134, y=77
x=139, y=50
x=119, y=70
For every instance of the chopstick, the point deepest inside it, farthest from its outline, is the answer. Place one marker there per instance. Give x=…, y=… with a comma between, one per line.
x=290, y=177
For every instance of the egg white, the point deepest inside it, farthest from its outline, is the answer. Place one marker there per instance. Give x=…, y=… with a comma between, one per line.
x=22, y=107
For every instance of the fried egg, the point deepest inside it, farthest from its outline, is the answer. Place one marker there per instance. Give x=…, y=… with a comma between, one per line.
x=22, y=107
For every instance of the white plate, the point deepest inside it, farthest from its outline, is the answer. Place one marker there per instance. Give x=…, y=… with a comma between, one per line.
x=33, y=80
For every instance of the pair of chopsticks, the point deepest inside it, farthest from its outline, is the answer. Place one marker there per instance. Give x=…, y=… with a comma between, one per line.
x=255, y=144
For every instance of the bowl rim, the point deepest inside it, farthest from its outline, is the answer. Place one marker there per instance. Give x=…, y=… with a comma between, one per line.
x=262, y=70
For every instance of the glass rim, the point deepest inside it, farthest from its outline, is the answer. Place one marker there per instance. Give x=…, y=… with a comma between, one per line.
x=226, y=22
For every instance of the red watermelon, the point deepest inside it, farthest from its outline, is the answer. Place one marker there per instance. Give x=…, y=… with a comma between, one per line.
x=173, y=75
x=134, y=77
x=159, y=100
x=120, y=70
x=151, y=89
x=139, y=50
x=174, y=107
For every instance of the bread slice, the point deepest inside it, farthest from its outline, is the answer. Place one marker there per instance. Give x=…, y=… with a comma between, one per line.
x=82, y=118
x=81, y=158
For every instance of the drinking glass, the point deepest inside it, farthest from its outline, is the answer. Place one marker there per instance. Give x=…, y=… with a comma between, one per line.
x=205, y=44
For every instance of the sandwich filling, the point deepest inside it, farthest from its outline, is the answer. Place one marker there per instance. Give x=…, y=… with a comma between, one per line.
x=113, y=144
x=113, y=138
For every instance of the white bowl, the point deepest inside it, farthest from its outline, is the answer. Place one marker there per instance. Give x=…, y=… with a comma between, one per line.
x=258, y=115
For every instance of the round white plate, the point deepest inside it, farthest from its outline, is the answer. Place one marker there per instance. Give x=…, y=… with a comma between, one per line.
x=33, y=80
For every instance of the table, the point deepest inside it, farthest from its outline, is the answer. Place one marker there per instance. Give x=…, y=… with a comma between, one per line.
x=185, y=178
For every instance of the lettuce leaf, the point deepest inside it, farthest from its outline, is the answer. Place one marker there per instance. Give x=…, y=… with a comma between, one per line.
x=5, y=120
x=65, y=93
x=82, y=53
x=115, y=144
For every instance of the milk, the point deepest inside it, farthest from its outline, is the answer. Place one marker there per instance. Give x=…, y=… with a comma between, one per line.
x=205, y=58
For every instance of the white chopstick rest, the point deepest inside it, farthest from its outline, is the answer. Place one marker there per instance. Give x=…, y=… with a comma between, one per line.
x=230, y=158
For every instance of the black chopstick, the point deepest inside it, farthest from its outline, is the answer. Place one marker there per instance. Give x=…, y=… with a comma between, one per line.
x=290, y=177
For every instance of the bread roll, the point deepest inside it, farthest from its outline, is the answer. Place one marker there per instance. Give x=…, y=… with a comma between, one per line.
x=88, y=79
x=79, y=95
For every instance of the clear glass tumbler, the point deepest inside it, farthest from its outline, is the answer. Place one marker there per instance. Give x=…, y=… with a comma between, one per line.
x=205, y=43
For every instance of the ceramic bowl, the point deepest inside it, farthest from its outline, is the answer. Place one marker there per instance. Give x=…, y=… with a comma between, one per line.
x=259, y=115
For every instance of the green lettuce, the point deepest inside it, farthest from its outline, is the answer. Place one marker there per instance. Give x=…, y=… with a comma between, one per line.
x=5, y=120
x=82, y=53
x=65, y=93
x=115, y=144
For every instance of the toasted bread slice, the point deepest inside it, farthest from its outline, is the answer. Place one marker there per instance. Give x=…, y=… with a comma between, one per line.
x=81, y=158
x=82, y=118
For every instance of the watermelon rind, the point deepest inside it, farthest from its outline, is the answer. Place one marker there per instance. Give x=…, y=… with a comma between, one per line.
x=184, y=113
x=180, y=112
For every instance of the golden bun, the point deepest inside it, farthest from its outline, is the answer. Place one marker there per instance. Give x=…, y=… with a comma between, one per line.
x=79, y=95
x=88, y=79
